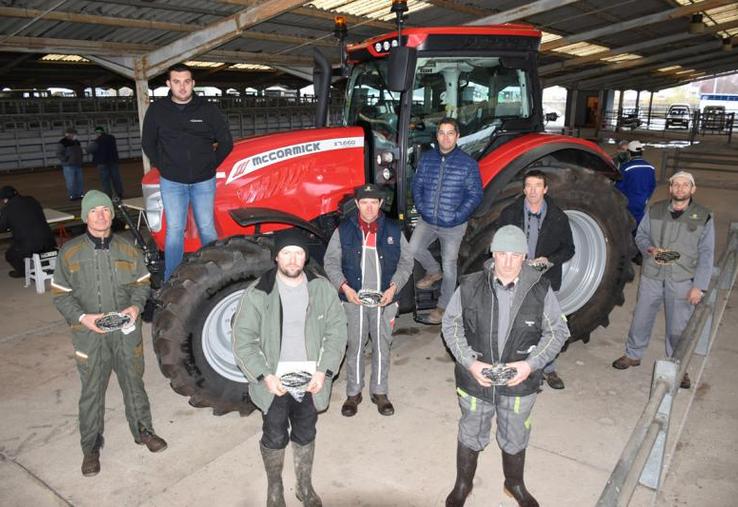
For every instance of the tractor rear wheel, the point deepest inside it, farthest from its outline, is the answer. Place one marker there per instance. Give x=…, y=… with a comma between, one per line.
x=594, y=279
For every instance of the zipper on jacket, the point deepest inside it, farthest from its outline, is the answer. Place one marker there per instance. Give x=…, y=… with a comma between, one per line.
x=438, y=189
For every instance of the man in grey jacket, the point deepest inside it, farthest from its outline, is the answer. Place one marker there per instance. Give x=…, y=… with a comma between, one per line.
x=368, y=252
x=678, y=226
x=504, y=314
x=289, y=322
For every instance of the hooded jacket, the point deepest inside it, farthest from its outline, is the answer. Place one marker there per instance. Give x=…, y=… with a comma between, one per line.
x=180, y=141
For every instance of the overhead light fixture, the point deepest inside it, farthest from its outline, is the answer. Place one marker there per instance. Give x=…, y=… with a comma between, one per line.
x=696, y=25
x=727, y=44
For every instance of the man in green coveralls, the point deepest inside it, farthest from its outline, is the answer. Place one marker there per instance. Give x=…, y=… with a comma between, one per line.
x=97, y=273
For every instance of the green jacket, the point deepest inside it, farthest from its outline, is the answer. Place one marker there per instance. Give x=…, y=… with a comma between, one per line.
x=89, y=280
x=257, y=334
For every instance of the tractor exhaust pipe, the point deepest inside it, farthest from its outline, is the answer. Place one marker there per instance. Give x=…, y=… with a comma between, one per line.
x=322, y=85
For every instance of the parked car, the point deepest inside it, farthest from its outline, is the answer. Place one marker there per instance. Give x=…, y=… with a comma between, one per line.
x=714, y=118
x=678, y=115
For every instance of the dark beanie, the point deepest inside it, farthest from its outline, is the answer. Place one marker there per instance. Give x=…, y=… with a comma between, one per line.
x=290, y=237
x=8, y=192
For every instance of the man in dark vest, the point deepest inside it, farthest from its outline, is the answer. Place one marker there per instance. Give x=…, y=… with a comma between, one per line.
x=678, y=225
x=549, y=236
x=504, y=314
x=368, y=251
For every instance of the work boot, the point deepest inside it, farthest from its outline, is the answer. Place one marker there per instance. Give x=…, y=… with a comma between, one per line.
x=273, y=464
x=91, y=460
x=466, y=467
x=151, y=440
x=435, y=316
x=553, y=380
x=428, y=280
x=384, y=405
x=351, y=405
x=624, y=362
x=513, y=466
x=304, y=471
x=686, y=383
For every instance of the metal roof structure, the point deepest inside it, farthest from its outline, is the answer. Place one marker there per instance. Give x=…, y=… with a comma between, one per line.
x=587, y=44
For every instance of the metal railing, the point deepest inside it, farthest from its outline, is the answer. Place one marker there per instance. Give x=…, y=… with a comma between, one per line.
x=643, y=456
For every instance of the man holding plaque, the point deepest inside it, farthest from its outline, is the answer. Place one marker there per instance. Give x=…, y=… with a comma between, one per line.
x=100, y=280
x=369, y=260
x=289, y=337
x=502, y=325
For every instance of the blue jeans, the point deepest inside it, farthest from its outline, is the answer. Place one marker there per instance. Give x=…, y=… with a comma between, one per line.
x=177, y=198
x=73, y=178
x=110, y=179
x=450, y=238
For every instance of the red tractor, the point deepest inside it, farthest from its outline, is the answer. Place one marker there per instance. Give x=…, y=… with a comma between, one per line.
x=398, y=88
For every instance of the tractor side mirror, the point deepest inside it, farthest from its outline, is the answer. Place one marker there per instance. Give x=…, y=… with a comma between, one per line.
x=552, y=116
x=401, y=68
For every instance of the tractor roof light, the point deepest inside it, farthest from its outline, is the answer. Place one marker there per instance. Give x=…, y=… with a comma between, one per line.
x=696, y=25
x=398, y=7
x=727, y=44
x=340, y=29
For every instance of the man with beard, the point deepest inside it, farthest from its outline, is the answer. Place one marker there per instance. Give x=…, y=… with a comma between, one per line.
x=677, y=240
x=290, y=315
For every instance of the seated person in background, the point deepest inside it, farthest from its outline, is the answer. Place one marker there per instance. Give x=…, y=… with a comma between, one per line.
x=24, y=217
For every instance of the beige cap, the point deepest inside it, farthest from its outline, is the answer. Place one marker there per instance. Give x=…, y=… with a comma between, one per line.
x=683, y=174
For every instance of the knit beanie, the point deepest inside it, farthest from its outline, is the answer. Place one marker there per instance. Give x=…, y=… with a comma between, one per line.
x=509, y=239
x=92, y=200
x=290, y=237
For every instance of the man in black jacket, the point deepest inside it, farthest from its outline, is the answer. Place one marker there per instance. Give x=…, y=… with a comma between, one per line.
x=504, y=314
x=549, y=238
x=104, y=150
x=24, y=217
x=186, y=138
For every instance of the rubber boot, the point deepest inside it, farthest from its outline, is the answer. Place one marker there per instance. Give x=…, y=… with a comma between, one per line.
x=513, y=466
x=466, y=467
x=304, y=471
x=273, y=464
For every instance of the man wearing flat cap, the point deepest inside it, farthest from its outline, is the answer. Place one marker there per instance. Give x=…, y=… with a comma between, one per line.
x=677, y=240
x=289, y=321
x=368, y=253
x=97, y=273
x=505, y=314
x=24, y=217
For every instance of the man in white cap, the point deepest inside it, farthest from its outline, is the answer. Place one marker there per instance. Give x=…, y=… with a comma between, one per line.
x=291, y=315
x=506, y=313
x=638, y=180
x=677, y=240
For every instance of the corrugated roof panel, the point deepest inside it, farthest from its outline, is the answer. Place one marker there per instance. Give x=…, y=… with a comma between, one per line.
x=374, y=9
x=622, y=57
x=581, y=49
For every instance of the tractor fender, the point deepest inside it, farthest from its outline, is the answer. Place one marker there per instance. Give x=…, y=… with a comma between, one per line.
x=254, y=217
x=517, y=156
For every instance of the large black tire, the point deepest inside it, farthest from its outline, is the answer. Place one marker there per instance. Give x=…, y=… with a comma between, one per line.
x=594, y=278
x=207, y=283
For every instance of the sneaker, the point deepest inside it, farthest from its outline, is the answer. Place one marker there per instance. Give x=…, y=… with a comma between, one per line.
x=151, y=440
x=553, y=380
x=428, y=280
x=435, y=316
x=686, y=383
x=625, y=362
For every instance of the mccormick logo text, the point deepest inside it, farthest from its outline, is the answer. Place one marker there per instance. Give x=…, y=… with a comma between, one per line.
x=265, y=159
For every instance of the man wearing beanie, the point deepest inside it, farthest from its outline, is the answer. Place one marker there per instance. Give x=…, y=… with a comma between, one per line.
x=506, y=313
x=368, y=251
x=289, y=321
x=682, y=227
x=95, y=274
x=24, y=217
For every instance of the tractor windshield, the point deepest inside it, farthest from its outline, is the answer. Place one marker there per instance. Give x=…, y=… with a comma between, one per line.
x=481, y=93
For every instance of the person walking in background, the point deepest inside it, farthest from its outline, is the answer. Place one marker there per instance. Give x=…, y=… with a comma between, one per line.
x=24, y=217
x=186, y=138
x=677, y=240
x=549, y=237
x=447, y=188
x=638, y=181
x=621, y=153
x=104, y=150
x=69, y=153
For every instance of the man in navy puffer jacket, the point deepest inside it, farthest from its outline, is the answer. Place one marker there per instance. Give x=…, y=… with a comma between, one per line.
x=446, y=190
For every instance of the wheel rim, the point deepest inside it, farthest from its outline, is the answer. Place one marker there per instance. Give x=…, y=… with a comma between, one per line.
x=582, y=274
x=216, y=337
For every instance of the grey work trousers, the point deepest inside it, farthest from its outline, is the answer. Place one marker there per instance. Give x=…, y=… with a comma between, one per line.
x=651, y=294
x=363, y=322
x=513, y=421
x=450, y=238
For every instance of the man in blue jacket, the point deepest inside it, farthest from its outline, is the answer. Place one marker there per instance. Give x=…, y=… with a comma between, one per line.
x=639, y=181
x=446, y=190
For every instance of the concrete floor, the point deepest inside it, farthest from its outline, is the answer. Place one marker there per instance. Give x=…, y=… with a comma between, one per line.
x=368, y=460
